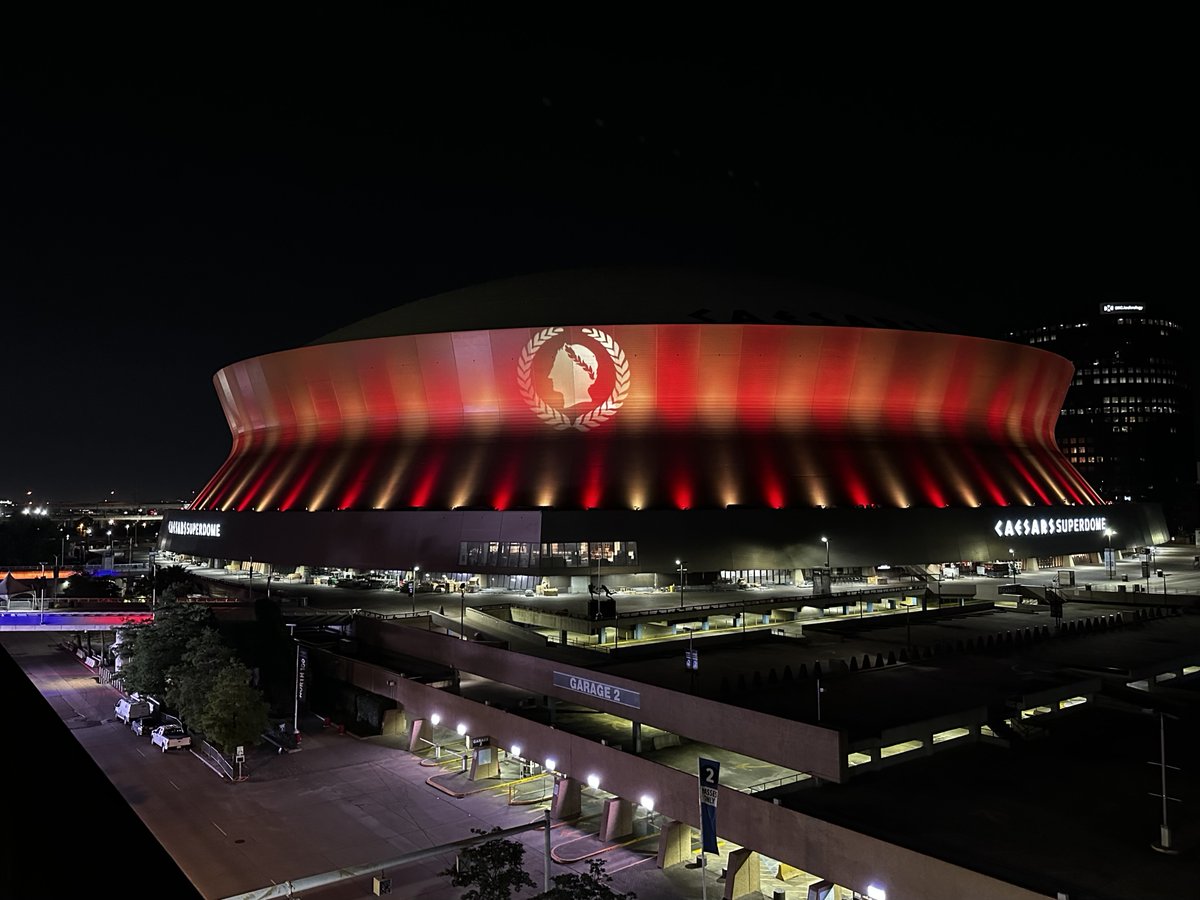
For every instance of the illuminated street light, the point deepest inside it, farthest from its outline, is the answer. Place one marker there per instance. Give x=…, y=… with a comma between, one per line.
x=1108, y=556
x=682, y=576
x=550, y=764
x=825, y=541
x=593, y=781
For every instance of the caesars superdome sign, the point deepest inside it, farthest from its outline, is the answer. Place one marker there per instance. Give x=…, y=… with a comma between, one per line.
x=587, y=372
x=1060, y=525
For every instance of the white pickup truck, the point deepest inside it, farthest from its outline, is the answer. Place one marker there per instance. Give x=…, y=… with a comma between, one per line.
x=169, y=736
x=130, y=708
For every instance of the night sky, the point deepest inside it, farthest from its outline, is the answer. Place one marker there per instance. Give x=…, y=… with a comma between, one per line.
x=167, y=213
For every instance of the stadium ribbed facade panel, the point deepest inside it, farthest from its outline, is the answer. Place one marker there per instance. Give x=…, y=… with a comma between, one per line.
x=646, y=416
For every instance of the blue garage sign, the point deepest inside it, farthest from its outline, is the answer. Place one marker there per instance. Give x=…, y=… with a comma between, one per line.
x=710, y=780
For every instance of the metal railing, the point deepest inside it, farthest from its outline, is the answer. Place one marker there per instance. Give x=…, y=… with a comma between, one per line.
x=775, y=782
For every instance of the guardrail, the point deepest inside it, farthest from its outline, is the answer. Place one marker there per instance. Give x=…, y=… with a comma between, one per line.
x=774, y=783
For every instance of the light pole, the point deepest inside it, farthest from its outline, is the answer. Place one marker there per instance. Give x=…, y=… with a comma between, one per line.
x=825, y=541
x=1108, y=557
x=412, y=589
x=1164, y=831
x=1012, y=566
x=682, y=586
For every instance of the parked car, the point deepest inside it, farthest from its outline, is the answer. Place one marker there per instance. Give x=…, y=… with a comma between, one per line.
x=169, y=736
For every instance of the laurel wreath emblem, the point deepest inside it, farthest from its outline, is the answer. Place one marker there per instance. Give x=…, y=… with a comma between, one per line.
x=593, y=417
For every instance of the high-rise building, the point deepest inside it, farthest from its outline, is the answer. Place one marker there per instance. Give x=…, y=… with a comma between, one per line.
x=1128, y=421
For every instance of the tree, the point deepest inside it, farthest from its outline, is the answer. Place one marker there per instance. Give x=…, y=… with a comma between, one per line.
x=153, y=648
x=236, y=712
x=593, y=885
x=493, y=870
x=190, y=683
x=178, y=581
x=83, y=585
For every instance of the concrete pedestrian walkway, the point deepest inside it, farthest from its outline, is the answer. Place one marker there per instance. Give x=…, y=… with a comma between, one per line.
x=404, y=801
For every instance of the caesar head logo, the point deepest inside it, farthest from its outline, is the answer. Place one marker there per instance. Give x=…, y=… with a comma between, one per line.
x=585, y=378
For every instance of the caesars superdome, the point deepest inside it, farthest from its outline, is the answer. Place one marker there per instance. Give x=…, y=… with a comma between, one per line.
x=737, y=420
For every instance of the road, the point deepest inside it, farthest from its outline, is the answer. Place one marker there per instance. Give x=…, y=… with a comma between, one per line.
x=340, y=801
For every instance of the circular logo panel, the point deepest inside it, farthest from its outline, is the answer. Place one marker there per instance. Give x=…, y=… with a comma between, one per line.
x=576, y=379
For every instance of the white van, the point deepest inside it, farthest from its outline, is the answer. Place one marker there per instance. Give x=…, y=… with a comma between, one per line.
x=128, y=709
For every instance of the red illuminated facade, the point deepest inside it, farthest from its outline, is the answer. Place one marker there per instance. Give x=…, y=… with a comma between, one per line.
x=536, y=425
x=646, y=416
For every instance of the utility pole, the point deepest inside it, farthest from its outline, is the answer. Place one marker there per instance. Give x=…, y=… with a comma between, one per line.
x=1164, y=831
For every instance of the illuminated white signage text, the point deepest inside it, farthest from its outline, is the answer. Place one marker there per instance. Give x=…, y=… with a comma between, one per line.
x=1017, y=527
x=194, y=529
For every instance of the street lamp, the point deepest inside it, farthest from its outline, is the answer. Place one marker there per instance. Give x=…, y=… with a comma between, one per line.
x=412, y=589
x=1108, y=557
x=152, y=567
x=682, y=585
x=825, y=541
x=1012, y=565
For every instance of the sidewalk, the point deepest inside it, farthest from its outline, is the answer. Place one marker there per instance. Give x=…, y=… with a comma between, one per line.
x=407, y=811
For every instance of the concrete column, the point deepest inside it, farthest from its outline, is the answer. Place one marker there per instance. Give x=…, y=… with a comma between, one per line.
x=870, y=606
x=638, y=632
x=743, y=875
x=395, y=722
x=704, y=626
x=637, y=737
x=674, y=844
x=419, y=729
x=617, y=819
x=766, y=618
x=566, y=799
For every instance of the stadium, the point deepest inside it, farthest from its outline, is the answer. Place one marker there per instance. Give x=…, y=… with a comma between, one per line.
x=652, y=426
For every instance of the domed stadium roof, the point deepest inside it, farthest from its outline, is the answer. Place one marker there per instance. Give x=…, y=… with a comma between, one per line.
x=635, y=296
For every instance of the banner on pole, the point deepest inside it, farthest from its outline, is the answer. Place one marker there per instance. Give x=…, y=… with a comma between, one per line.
x=710, y=780
x=301, y=674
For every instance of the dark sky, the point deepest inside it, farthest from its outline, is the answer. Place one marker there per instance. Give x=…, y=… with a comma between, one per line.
x=167, y=213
